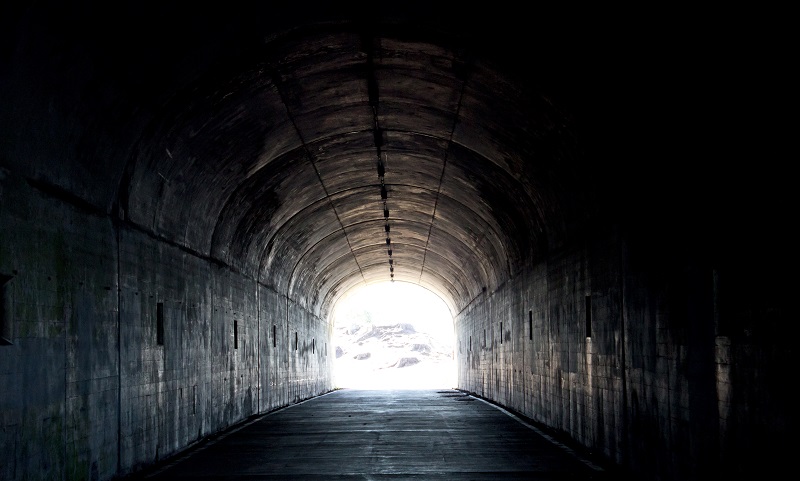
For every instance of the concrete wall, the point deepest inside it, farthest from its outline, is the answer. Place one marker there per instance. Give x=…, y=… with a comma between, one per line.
x=87, y=391
x=687, y=372
x=59, y=380
x=653, y=388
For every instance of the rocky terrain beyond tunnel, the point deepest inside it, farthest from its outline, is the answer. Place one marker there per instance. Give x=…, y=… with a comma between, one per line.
x=599, y=195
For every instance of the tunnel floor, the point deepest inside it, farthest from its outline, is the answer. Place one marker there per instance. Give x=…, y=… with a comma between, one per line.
x=352, y=434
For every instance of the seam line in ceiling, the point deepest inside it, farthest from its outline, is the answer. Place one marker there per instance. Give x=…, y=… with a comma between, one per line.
x=368, y=42
x=441, y=177
x=310, y=158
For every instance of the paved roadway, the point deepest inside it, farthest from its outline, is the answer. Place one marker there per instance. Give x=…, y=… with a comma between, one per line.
x=383, y=435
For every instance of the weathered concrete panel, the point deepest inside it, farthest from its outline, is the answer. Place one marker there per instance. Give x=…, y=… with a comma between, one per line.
x=217, y=363
x=59, y=402
x=274, y=348
x=166, y=386
x=234, y=358
x=652, y=385
x=310, y=365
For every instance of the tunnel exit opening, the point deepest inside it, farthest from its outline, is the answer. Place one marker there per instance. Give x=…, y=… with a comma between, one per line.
x=393, y=335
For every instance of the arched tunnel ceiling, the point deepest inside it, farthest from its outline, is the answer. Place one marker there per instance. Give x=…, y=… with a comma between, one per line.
x=339, y=156
x=320, y=148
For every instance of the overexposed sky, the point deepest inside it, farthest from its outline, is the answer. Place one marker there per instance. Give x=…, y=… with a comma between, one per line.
x=392, y=302
x=387, y=304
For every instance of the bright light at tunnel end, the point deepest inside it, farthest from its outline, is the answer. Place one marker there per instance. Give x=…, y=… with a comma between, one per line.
x=393, y=335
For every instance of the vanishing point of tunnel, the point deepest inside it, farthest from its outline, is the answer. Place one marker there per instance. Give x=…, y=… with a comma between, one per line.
x=599, y=195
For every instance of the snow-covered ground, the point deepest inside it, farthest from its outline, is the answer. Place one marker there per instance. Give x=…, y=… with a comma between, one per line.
x=393, y=335
x=392, y=356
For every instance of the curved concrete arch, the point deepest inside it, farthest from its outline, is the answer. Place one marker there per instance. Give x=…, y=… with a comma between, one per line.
x=186, y=158
x=265, y=202
x=380, y=259
x=223, y=215
x=358, y=251
x=260, y=182
x=413, y=211
x=299, y=223
x=187, y=190
x=462, y=205
x=451, y=286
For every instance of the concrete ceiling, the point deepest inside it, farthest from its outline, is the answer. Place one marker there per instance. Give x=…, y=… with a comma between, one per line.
x=320, y=148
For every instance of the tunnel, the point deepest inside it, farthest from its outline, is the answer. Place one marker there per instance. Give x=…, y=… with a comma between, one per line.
x=601, y=196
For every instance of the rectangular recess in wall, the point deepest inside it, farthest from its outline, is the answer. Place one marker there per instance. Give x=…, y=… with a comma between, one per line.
x=501, y=333
x=588, y=303
x=6, y=331
x=296, y=342
x=194, y=399
x=470, y=343
x=160, y=323
x=530, y=325
x=274, y=335
x=236, y=334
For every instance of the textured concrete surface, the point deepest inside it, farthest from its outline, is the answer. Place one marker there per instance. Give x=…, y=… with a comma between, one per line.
x=348, y=434
x=599, y=194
